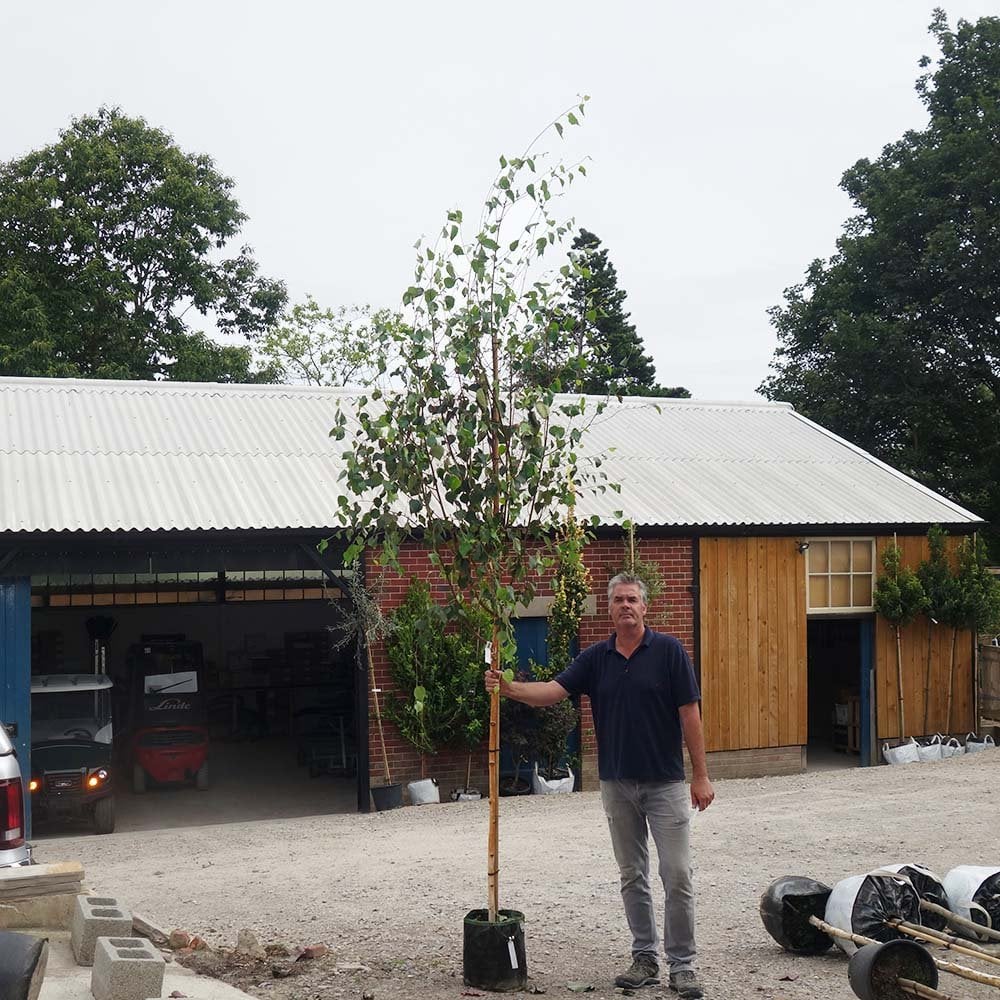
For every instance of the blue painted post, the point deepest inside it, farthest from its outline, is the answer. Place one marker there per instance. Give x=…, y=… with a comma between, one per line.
x=15, y=672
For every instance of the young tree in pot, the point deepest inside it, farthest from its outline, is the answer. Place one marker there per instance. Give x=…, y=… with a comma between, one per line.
x=465, y=453
x=549, y=735
x=517, y=723
x=976, y=604
x=898, y=598
x=941, y=590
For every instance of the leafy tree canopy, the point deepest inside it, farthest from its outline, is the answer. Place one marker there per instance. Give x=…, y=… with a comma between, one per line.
x=894, y=341
x=602, y=353
x=333, y=347
x=109, y=240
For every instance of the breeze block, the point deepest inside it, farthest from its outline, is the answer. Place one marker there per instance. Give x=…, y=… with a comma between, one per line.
x=126, y=969
x=94, y=917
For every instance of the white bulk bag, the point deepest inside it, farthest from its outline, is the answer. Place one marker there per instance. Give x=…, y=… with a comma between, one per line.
x=551, y=786
x=905, y=753
x=951, y=748
x=861, y=904
x=974, y=893
x=424, y=791
x=930, y=749
x=973, y=744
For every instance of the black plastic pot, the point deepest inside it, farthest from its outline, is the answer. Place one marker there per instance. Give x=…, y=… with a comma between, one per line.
x=493, y=952
x=785, y=909
x=510, y=786
x=875, y=969
x=387, y=797
x=22, y=965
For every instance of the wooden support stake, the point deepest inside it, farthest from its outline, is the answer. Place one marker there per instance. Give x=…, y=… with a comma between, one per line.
x=956, y=921
x=493, y=851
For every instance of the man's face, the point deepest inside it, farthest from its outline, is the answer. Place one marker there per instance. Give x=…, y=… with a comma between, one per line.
x=628, y=609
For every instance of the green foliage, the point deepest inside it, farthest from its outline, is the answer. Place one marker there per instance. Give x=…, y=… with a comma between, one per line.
x=465, y=452
x=517, y=727
x=936, y=577
x=109, y=239
x=899, y=597
x=570, y=588
x=633, y=562
x=894, y=341
x=602, y=353
x=327, y=346
x=977, y=605
x=440, y=670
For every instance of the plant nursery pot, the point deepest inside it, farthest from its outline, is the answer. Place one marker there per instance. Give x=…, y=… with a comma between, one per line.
x=875, y=968
x=493, y=955
x=22, y=965
x=508, y=786
x=423, y=792
x=387, y=797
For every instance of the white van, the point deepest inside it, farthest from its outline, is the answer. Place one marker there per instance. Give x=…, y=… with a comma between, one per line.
x=14, y=850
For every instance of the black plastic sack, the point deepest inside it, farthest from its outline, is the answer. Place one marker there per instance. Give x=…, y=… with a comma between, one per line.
x=22, y=965
x=988, y=897
x=863, y=903
x=785, y=909
x=493, y=955
x=931, y=888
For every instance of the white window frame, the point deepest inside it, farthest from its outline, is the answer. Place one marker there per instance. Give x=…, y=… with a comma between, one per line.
x=853, y=609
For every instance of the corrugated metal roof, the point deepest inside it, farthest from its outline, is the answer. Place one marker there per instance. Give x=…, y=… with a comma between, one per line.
x=81, y=455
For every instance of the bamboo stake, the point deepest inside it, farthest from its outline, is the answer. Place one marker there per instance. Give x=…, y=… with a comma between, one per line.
x=927, y=673
x=899, y=684
x=944, y=940
x=956, y=921
x=920, y=990
x=378, y=714
x=493, y=848
x=956, y=970
x=951, y=674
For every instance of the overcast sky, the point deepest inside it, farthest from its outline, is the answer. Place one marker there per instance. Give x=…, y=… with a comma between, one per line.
x=717, y=133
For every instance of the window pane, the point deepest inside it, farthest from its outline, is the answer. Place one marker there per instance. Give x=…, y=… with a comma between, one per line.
x=819, y=595
x=862, y=591
x=840, y=591
x=819, y=557
x=840, y=557
x=862, y=557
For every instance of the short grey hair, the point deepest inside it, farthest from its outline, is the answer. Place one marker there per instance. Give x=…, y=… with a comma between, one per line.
x=629, y=578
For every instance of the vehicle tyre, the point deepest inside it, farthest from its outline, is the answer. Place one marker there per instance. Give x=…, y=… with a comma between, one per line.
x=138, y=779
x=104, y=815
x=201, y=778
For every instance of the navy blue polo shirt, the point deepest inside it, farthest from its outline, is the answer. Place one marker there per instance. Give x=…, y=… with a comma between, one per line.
x=635, y=703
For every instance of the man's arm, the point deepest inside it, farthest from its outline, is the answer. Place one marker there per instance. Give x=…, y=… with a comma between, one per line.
x=702, y=792
x=540, y=694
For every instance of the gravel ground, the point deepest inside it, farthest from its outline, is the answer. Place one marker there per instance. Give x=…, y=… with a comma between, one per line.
x=388, y=891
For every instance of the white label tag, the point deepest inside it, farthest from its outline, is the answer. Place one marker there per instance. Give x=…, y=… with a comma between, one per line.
x=488, y=653
x=513, y=953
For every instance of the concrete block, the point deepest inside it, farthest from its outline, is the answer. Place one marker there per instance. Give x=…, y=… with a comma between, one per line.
x=126, y=969
x=94, y=917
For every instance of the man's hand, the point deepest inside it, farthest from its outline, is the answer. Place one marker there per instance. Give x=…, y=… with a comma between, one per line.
x=702, y=793
x=493, y=680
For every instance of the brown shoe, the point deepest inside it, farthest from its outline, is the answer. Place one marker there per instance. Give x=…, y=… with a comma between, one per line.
x=643, y=971
x=685, y=984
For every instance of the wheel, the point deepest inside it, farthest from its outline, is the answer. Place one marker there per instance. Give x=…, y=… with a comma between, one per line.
x=201, y=778
x=104, y=815
x=138, y=779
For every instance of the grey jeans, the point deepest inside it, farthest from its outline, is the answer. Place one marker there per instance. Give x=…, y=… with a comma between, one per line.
x=635, y=809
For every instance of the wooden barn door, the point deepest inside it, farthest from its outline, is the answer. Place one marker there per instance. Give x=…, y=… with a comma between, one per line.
x=753, y=643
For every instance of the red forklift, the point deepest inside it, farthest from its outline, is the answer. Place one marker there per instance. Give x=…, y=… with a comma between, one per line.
x=168, y=730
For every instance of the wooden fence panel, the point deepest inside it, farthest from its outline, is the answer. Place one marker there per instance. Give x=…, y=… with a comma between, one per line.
x=753, y=643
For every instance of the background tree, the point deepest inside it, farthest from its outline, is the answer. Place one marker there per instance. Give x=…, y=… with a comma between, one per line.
x=465, y=452
x=603, y=354
x=894, y=341
x=326, y=346
x=109, y=239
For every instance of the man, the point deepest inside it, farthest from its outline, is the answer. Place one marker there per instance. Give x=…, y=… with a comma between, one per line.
x=644, y=696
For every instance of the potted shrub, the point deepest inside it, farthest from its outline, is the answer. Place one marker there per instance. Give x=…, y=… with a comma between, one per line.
x=517, y=722
x=471, y=699
x=553, y=770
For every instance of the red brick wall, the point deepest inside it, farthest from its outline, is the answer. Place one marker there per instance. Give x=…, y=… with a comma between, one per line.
x=671, y=611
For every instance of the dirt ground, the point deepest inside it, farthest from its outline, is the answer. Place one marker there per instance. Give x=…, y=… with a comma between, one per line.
x=387, y=892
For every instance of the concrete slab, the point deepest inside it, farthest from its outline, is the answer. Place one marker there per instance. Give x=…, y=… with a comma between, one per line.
x=65, y=980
